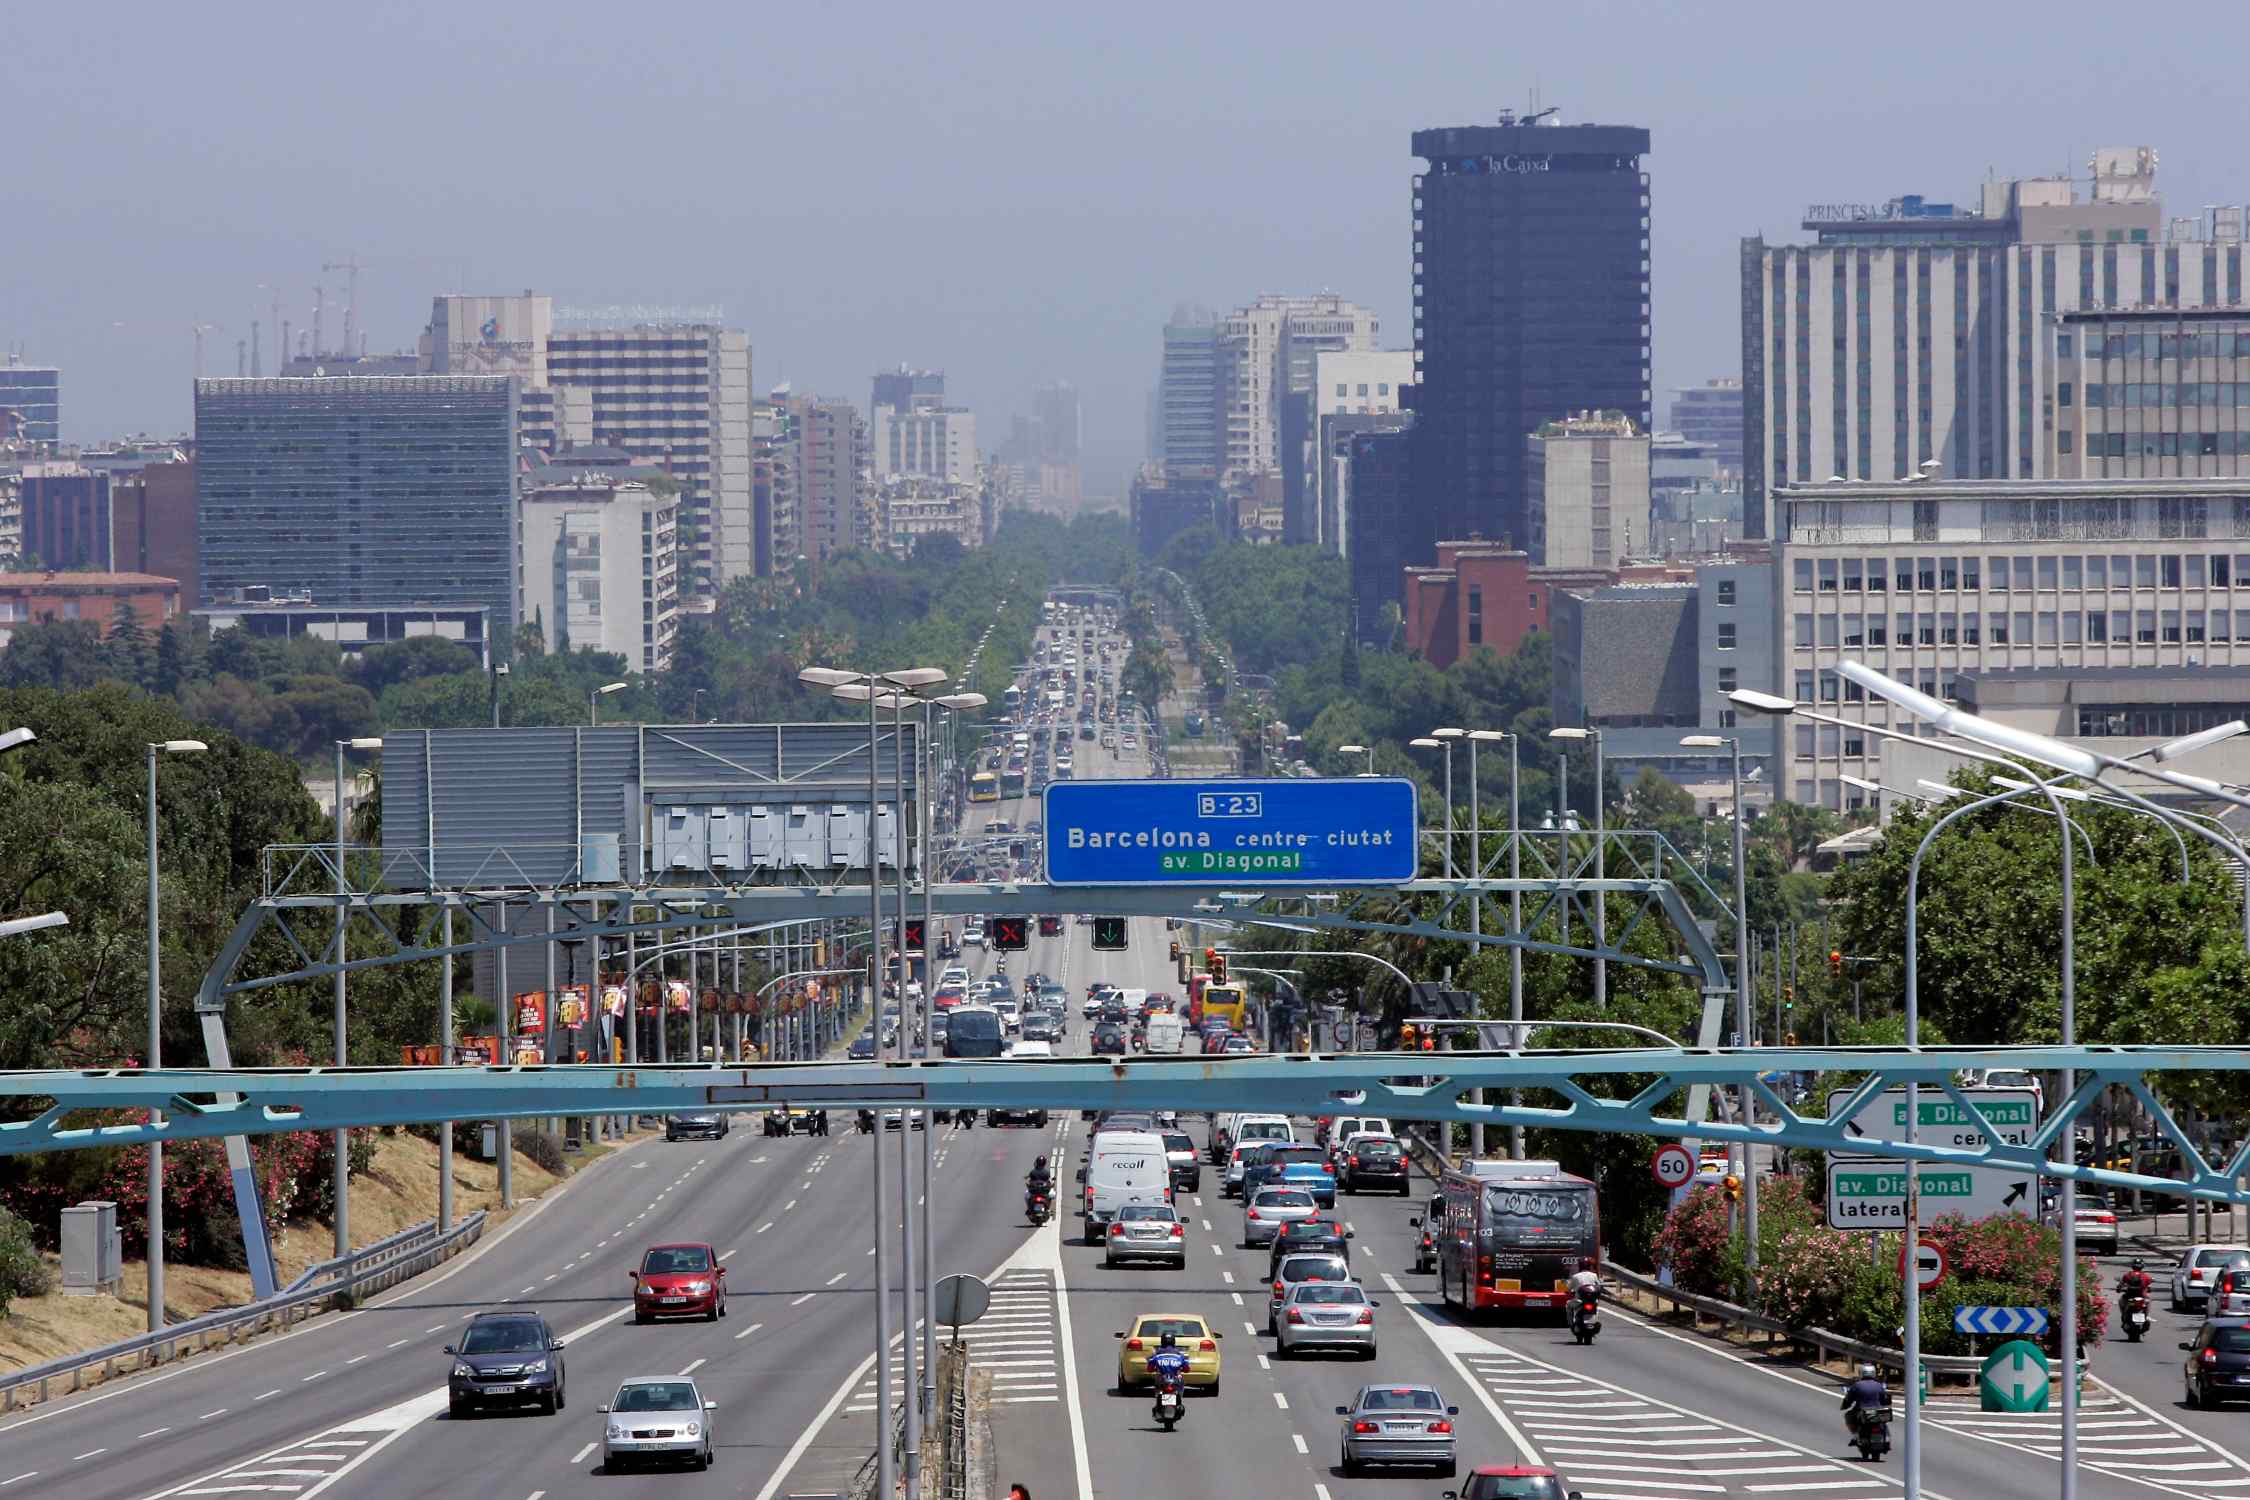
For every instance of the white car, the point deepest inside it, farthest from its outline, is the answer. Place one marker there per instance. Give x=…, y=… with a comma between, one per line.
x=657, y=1417
x=2198, y=1271
x=1271, y=1207
x=1011, y=1013
x=1326, y=1315
x=953, y=974
x=972, y=935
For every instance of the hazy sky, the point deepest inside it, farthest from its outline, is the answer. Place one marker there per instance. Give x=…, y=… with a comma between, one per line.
x=1013, y=193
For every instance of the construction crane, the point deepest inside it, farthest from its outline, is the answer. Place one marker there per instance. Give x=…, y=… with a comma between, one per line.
x=350, y=266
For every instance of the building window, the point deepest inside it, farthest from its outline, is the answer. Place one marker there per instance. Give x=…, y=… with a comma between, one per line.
x=2066, y=441
x=1829, y=683
x=2171, y=566
x=1949, y=572
x=1925, y=520
x=2097, y=627
x=1726, y=718
x=1726, y=591
x=1828, y=575
x=1804, y=687
x=1878, y=573
x=2063, y=393
x=1852, y=583
x=2144, y=627
x=1800, y=573
x=2072, y=572
x=2047, y=573
x=1726, y=635
x=1996, y=628
x=1972, y=573
x=1726, y=679
x=1476, y=615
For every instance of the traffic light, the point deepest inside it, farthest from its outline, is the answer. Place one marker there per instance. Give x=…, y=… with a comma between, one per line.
x=1218, y=967
x=1175, y=950
x=1109, y=934
x=1734, y=1188
x=1789, y=1039
x=1835, y=963
x=1011, y=934
x=1407, y=1033
x=1185, y=967
x=914, y=931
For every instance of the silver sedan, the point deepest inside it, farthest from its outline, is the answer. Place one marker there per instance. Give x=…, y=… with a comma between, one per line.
x=1269, y=1209
x=1398, y=1424
x=1326, y=1315
x=657, y=1417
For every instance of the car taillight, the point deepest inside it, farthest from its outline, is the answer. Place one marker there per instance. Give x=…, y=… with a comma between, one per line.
x=1441, y=1426
x=1366, y=1316
x=1133, y=1344
x=1250, y=1214
x=1355, y=1161
x=1367, y=1427
x=1296, y=1316
x=2210, y=1356
x=1116, y=1229
x=1179, y=1231
x=1206, y=1345
x=2105, y=1218
x=1278, y=1289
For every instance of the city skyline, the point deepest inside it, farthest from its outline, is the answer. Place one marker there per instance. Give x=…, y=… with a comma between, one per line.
x=1134, y=200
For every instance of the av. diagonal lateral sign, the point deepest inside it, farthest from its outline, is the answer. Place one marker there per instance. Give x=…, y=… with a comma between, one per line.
x=1866, y=1192
x=1356, y=830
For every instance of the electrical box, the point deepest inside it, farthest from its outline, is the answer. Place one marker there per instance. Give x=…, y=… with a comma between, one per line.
x=805, y=836
x=92, y=1260
x=847, y=836
x=765, y=835
x=729, y=835
x=886, y=833
x=681, y=841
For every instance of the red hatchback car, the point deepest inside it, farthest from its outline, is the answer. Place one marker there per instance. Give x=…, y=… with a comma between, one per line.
x=679, y=1281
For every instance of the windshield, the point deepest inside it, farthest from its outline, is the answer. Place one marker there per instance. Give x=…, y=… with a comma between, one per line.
x=1376, y=1148
x=1178, y=1140
x=505, y=1336
x=1314, y=1268
x=676, y=1259
x=1514, y=1487
x=1180, y=1328
x=1282, y=1198
x=1405, y=1398
x=1336, y=1291
x=1146, y=1211
x=2219, y=1258
x=1560, y=1216
x=1304, y=1154
x=658, y=1395
x=2231, y=1340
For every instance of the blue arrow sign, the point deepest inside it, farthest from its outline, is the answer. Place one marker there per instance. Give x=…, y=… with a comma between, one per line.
x=2000, y=1320
x=1350, y=830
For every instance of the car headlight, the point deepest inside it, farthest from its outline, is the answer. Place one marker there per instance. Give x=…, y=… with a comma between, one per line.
x=693, y=1430
x=462, y=1372
x=617, y=1432
x=696, y=1286
x=537, y=1368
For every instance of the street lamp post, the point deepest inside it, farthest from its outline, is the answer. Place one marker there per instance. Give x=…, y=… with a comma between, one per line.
x=594, y=700
x=1366, y=750
x=1601, y=867
x=155, y=1024
x=1446, y=737
x=1733, y=746
x=1515, y=908
x=342, y=1140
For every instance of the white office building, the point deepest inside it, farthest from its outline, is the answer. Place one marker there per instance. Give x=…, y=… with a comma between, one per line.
x=1345, y=382
x=1587, y=479
x=925, y=442
x=598, y=566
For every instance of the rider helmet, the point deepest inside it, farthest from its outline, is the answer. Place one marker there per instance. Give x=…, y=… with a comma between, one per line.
x=1169, y=1341
x=2136, y=1262
x=1866, y=1370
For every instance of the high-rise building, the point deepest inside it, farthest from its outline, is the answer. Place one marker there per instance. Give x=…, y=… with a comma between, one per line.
x=1265, y=353
x=1919, y=338
x=359, y=490
x=489, y=336
x=600, y=566
x=1344, y=382
x=31, y=395
x=1589, y=491
x=1054, y=409
x=827, y=442
x=932, y=442
x=908, y=390
x=677, y=396
x=1710, y=415
x=121, y=520
x=1164, y=505
x=1188, y=393
x=1381, y=466
x=773, y=488
x=1531, y=271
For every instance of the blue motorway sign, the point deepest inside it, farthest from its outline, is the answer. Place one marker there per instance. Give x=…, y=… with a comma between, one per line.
x=2001, y=1320
x=1351, y=830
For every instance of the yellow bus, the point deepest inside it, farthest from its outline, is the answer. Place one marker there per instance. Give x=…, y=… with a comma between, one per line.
x=1224, y=1002
x=984, y=786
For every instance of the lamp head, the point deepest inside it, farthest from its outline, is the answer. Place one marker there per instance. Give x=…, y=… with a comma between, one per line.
x=1703, y=742
x=1570, y=732
x=1764, y=703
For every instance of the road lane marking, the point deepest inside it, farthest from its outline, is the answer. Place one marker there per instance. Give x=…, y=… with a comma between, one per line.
x=355, y=1359
x=398, y=1343
x=263, y=1397
x=694, y=1365
x=792, y=1203
x=1299, y=1439
x=801, y=1301
x=152, y=1432
x=207, y=1416
x=580, y=1456
x=89, y=1453
x=26, y=1474
x=1278, y=1399
x=753, y=1328
x=762, y=1228
x=839, y=1276
x=309, y=1379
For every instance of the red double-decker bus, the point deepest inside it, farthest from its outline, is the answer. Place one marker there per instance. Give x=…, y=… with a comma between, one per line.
x=1511, y=1234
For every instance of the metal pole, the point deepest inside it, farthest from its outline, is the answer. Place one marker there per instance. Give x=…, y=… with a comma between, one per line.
x=505, y=1009
x=906, y=1204
x=341, y=1142
x=1742, y=1020
x=925, y=807
x=1601, y=898
x=1476, y=917
x=2067, y=1143
x=886, y=1483
x=155, y=1060
x=1515, y=924
x=1448, y=808
x=445, y=1059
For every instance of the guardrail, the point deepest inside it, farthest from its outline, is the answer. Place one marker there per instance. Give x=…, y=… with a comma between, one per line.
x=371, y=1268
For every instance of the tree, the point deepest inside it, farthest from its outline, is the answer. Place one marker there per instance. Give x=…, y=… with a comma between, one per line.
x=52, y=653
x=175, y=658
x=128, y=654
x=379, y=667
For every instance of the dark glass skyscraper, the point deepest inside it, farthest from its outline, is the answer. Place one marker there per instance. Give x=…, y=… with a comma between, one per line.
x=1531, y=302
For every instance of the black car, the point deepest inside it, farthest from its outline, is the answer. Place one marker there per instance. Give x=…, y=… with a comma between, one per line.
x=1426, y=1227
x=862, y=1049
x=505, y=1359
x=1378, y=1164
x=1041, y=1028
x=1303, y=1235
x=709, y=1124
x=1015, y=1117
x=2218, y=1361
x=1110, y=1040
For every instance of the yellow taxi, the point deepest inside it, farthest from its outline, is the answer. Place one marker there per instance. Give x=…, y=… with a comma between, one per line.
x=1195, y=1335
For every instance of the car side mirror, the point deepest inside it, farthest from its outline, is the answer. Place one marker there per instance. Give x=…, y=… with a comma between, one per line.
x=1348, y=1234
x=1453, y=1411
x=710, y=1406
x=1450, y=1495
x=1343, y=1411
x=1120, y=1335
x=450, y=1349
x=632, y=1275
x=556, y=1346
x=1414, y=1223
x=602, y=1409
x=2183, y=1346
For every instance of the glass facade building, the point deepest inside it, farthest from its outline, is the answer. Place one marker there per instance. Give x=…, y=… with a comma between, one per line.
x=34, y=394
x=360, y=490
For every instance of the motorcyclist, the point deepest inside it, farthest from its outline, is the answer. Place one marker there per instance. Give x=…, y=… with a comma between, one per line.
x=1039, y=1182
x=2135, y=1280
x=1169, y=1363
x=1589, y=1273
x=1867, y=1393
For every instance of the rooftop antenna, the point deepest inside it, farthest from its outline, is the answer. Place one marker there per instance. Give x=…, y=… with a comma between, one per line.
x=200, y=330
x=349, y=265
x=257, y=350
x=319, y=295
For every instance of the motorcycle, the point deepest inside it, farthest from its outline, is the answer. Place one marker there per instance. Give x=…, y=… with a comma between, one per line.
x=1585, y=1321
x=2133, y=1314
x=1871, y=1432
x=1038, y=1209
x=1169, y=1409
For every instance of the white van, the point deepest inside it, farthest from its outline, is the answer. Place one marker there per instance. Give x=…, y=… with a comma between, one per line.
x=1136, y=1001
x=1344, y=1127
x=1126, y=1166
x=1165, y=1033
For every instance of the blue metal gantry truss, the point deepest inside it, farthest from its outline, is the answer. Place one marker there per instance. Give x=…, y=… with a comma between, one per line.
x=1625, y=1090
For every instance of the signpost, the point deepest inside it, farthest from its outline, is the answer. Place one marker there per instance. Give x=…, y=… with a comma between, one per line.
x=1929, y=1263
x=2002, y=1321
x=1355, y=830
x=960, y=1300
x=2015, y=1378
x=1868, y=1192
x=2011, y=1114
x=1673, y=1165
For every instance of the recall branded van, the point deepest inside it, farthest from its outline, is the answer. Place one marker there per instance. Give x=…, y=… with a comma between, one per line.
x=1125, y=1166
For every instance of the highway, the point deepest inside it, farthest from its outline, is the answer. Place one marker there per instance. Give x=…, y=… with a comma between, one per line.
x=353, y=1405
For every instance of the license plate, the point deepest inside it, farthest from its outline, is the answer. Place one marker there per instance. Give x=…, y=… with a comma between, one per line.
x=1538, y=1301
x=670, y=1301
x=1402, y=1427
